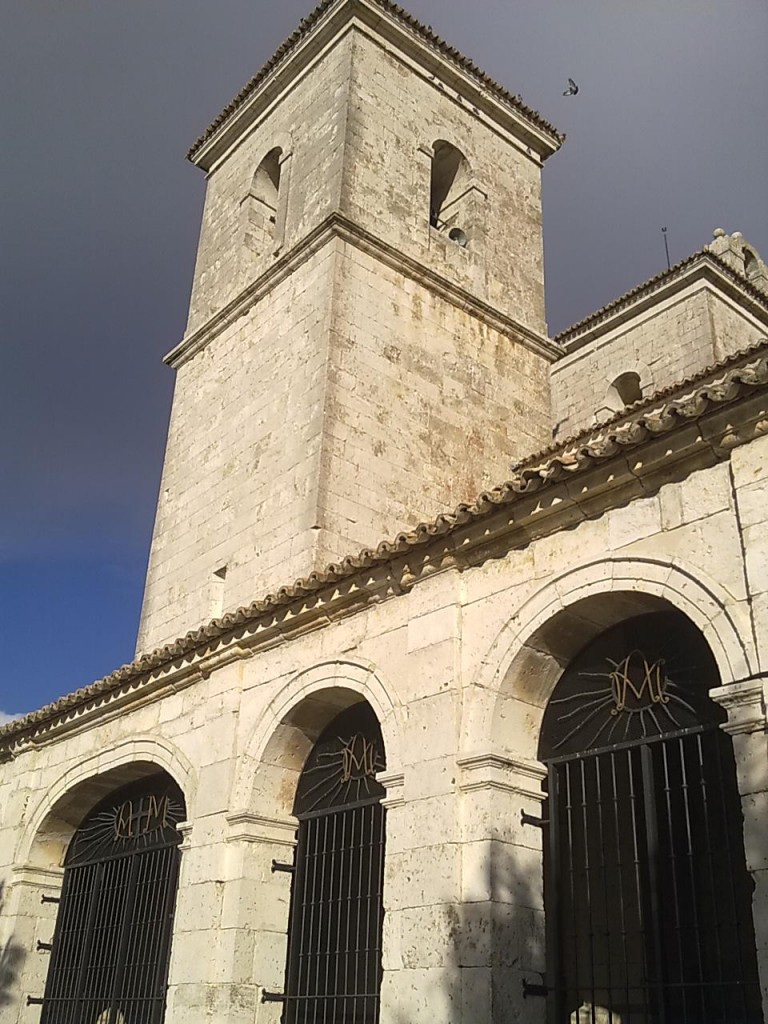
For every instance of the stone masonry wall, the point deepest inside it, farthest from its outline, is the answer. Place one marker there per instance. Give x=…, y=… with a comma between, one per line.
x=242, y=460
x=665, y=344
x=309, y=123
x=271, y=410
x=460, y=714
x=428, y=405
x=396, y=116
x=347, y=405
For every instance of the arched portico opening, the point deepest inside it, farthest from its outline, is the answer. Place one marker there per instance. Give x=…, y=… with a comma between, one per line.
x=334, y=967
x=111, y=943
x=647, y=896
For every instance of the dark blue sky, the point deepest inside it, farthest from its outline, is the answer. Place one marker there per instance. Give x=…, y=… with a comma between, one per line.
x=99, y=214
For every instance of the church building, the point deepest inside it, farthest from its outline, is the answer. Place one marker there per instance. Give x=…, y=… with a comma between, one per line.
x=449, y=699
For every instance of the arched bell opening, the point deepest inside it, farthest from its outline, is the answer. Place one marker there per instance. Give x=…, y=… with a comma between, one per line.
x=111, y=944
x=647, y=895
x=334, y=966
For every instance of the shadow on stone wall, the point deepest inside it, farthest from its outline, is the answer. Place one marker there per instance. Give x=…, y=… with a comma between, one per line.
x=477, y=954
x=500, y=943
x=11, y=957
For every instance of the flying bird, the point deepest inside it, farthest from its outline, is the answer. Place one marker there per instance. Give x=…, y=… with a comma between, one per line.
x=572, y=88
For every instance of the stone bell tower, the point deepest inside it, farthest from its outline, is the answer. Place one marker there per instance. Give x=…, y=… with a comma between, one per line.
x=366, y=342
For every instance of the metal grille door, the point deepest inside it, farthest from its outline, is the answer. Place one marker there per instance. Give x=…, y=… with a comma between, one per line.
x=334, y=957
x=110, y=949
x=654, y=907
x=648, y=899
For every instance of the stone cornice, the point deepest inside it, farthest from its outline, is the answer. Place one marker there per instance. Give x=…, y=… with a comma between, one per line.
x=245, y=826
x=495, y=771
x=337, y=226
x=397, y=28
x=633, y=457
x=394, y=783
x=37, y=877
x=745, y=703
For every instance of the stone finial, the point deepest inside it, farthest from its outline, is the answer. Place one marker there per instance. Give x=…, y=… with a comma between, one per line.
x=740, y=256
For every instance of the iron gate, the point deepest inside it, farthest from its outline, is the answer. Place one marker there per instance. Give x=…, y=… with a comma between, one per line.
x=333, y=972
x=110, y=949
x=647, y=894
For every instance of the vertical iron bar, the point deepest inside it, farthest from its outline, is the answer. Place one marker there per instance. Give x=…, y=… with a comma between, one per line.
x=709, y=856
x=588, y=883
x=652, y=846
x=370, y=940
x=358, y=922
x=674, y=875
x=641, y=916
x=124, y=932
x=89, y=939
x=342, y=913
x=322, y=915
x=572, y=882
x=689, y=854
x=604, y=875
x=620, y=875
x=555, y=1004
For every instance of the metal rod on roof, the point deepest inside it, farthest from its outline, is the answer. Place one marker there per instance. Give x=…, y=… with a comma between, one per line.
x=666, y=246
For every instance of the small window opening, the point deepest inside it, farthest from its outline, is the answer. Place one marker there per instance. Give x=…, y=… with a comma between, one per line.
x=751, y=264
x=626, y=388
x=217, y=592
x=266, y=183
x=262, y=203
x=450, y=191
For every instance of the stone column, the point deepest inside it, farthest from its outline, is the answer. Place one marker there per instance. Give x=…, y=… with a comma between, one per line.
x=231, y=923
x=746, y=703
x=500, y=934
x=26, y=920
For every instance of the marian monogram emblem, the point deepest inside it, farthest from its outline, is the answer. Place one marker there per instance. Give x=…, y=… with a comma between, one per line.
x=635, y=677
x=135, y=818
x=343, y=771
x=634, y=697
x=358, y=759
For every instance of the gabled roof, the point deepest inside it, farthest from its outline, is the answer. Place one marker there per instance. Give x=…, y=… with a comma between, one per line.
x=423, y=32
x=702, y=258
x=673, y=408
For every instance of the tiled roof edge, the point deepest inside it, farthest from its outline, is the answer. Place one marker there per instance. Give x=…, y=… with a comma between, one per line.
x=652, y=284
x=716, y=385
x=643, y=404
x=426, y=34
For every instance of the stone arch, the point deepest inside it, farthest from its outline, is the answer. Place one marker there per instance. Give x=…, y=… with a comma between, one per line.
x=264, y=202
x=456, y=202
x=530, y=653
x=295, y=717
x=64, y=805
x=626, y=383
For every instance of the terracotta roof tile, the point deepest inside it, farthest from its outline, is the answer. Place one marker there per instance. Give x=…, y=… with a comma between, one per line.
x=656, y=282
x=718, y=385
x=423, y=31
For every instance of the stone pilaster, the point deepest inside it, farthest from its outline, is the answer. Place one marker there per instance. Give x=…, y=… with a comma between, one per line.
x=746, y=703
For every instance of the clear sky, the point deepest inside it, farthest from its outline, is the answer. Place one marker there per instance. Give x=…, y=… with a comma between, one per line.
x=99, y=214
